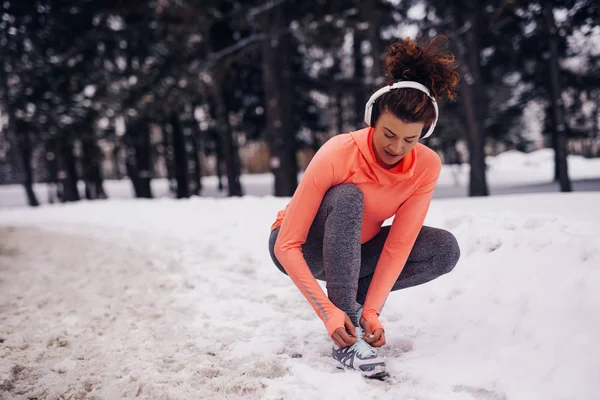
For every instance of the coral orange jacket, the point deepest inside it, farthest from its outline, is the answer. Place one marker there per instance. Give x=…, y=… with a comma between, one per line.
x=403, y=192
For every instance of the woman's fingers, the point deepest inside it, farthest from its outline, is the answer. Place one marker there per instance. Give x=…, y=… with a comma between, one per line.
x=375, y=338
x=336, y=339
x=339, y=340
x=366, y=326
x=350, y=326
x=348, y=340
x=341, y=337
x=379, y=338
x=370, y=338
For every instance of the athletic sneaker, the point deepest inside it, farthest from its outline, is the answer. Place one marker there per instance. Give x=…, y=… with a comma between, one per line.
x=359, y=356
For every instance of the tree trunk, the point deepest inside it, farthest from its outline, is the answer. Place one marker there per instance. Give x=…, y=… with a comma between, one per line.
x=52, y=168
x=143, y=153
x=139, y=158
x=339, y=121
x=559, y=139
x=132, y=173
x=25, y=150
x=227, y=144
x=359, y=74
x=471, y=93
x=67, y=173
x=278, y=91
x=92, y=169
x=197, y=190
x=116, y=160
x=371, y=12
x=180, y=157
x=168, y=156
x=219, y=164
x=20, y=132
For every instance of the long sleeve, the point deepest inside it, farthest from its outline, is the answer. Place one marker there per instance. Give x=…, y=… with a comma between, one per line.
x=406, y=226
x=299, y=215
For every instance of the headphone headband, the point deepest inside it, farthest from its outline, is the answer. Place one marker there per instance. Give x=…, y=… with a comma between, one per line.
x=401, y=85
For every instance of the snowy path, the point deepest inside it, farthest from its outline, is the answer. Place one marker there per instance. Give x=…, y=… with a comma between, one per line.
x=121, y=318
x=83, y=315
x=172, y=299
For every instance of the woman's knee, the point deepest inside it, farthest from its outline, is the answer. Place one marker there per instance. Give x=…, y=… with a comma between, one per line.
x=449, y=252
x=272, y=242
x=351, y=196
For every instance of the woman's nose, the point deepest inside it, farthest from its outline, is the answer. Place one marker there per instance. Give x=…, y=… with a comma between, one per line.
x=396, y=149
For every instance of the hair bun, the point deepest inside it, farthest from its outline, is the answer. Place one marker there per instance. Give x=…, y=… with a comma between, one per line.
x=429, y=64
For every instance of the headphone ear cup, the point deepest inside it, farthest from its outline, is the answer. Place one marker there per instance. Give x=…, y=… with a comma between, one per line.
x=374, y=115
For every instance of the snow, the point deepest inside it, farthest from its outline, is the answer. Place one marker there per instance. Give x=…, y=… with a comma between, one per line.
x=517, y=168
x=90, y=90
x=178, y=299
x=510, y=172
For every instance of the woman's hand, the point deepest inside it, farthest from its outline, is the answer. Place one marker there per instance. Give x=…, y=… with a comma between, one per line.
x=375, y=339
x=345, y=336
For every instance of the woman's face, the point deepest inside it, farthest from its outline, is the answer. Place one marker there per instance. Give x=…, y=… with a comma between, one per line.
x=393, y=139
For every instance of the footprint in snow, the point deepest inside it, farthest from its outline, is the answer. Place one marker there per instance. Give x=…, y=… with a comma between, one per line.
x=479, y=393
x=398, y=348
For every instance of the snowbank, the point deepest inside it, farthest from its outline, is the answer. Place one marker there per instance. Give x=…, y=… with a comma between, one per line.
x=170, y=299
x=513, y=167
x=508, y=173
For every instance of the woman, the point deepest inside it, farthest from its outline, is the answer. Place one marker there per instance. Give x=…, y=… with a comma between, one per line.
x=332, y=228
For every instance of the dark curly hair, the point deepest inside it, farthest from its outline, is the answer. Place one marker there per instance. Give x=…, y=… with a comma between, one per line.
x=429, y=64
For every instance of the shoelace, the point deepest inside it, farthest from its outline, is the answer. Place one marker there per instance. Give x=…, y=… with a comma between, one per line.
x=360, y=346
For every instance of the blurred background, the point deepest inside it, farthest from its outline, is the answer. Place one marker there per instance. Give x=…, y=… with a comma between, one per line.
x=180, y=98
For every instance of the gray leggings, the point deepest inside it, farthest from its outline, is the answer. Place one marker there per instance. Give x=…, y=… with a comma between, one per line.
x=334, y=254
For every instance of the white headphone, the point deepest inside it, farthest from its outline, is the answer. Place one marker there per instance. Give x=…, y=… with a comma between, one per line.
x=399, y=85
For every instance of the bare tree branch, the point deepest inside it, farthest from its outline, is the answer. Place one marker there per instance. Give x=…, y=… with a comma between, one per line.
x=264, y=8
x=219, y=55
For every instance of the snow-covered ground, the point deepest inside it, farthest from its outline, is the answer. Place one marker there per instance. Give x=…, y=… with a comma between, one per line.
x=511, y=172
x=167, y=299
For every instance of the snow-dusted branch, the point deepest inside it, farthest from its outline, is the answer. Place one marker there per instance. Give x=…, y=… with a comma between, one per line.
x=254, y=12
x=219, y=55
